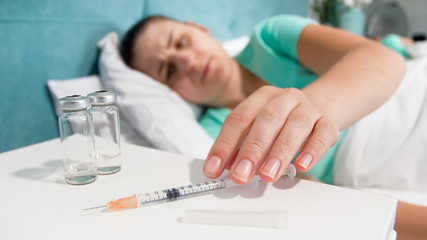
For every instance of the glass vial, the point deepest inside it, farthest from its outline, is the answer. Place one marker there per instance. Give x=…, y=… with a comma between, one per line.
x=77, y=140
x=106, y=121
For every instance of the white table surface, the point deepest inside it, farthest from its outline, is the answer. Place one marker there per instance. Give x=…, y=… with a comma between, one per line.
x=37, y=203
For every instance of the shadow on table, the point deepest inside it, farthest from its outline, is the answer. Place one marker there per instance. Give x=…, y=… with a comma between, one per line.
x=196, y=176
x=50, y=171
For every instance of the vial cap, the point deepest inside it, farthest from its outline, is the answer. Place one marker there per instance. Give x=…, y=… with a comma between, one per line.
x=102, y=98
x=74, y=102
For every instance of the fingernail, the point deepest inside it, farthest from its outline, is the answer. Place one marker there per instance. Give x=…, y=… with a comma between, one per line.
x=271, y=167
x=212, y=166
x=243, y=170
x=305, y=160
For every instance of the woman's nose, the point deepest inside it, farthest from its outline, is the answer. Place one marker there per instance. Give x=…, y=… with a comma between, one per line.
x=184, y=59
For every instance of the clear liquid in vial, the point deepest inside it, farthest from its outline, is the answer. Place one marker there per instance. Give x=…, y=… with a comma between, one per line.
x=80, y=173
x=109, y=162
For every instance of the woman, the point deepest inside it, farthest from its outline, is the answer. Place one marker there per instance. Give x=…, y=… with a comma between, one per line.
x=352, y=69
x=279, y=108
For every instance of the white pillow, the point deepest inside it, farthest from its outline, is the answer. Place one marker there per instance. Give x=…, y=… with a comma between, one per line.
x=83, y=86
x=234, y=46
x=156, y=112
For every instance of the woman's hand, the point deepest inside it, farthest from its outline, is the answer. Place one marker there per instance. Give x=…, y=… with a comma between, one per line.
x=264, y=133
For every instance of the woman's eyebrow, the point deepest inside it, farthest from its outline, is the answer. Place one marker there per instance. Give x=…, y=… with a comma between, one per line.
x=162, y=63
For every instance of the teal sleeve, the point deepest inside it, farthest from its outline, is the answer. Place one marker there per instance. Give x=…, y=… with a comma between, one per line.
x=281, y=33
x=213, y=119
x=393, y=42
x=272, y=50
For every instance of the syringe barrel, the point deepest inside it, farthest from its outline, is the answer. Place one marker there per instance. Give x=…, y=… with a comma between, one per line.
x=202, y=188
x=184, y=191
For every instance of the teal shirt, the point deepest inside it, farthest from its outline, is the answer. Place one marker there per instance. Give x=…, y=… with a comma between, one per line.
x=272, y=55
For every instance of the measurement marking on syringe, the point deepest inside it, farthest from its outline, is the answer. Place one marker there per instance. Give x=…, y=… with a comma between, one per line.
x=183, y=191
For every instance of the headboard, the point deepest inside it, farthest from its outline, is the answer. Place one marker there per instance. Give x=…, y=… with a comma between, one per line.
x=50, y=39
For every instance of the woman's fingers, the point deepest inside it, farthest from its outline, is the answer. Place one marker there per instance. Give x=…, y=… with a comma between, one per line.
x=234, y=131
x=324, y=136
x=268, y=125
x=296, y=130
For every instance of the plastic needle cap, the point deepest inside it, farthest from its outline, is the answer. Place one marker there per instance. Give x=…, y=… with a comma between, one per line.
x=265, y=219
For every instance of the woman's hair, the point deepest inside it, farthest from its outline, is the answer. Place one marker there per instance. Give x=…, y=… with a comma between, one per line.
x=128, y=41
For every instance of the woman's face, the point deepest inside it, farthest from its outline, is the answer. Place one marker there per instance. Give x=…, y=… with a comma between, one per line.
x=185, y=57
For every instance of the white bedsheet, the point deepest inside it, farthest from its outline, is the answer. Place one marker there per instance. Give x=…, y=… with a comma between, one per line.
x=388, y=148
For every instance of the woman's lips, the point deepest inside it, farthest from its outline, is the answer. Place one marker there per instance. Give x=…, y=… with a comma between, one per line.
x=206, y=69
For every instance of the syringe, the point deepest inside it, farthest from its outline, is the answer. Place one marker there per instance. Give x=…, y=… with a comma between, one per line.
x=180, y=192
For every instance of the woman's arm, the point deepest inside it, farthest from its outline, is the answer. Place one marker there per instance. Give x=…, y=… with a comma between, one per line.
x=357, y=75
x=411, y=221
x=264, y=132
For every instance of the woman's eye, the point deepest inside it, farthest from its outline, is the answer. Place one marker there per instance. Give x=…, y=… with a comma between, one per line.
x=169, y=71
x=180, y=42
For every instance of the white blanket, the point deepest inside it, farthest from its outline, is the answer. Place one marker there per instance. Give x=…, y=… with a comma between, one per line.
x=388, y=148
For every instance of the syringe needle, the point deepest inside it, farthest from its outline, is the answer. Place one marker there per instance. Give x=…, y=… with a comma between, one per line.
x=94, y=208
